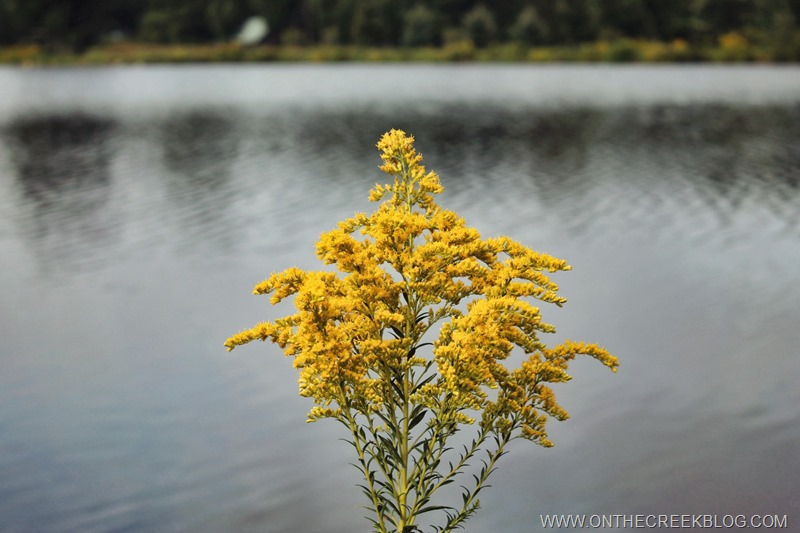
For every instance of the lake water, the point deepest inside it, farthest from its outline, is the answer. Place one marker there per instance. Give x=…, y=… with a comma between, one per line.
x=139, y=205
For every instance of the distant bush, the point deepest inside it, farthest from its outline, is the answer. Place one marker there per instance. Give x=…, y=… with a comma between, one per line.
x=542, y=55
x=459, y=51
x=633, y=30
x=293, y=37
x=458, y=46
x=505, y=53
x=623, y=51
x=21, y=55
x=733, y=46
x=679, y=50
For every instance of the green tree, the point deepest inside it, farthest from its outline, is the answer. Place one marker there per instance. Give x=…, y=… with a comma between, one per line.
x=174, y=21
x=420, y=26
x=16, y=21
x=69, y=25
x=530, y=28
x=777, y=27
x=376, y=22
x=579, y=20
x=451, y=12
x=223, y=18
x=480, y=26
x=74, y=25
x=711, y=18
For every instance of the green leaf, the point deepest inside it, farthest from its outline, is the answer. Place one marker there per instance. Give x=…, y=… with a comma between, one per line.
x=417, y=419
x=397, y=388
x=430, y=508
x=423, y=382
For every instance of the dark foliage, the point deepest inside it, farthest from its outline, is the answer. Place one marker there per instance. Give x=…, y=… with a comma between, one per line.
x=74, y=25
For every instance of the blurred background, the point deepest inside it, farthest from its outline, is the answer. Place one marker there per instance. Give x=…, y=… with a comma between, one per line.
x=140, y=204
x=96, y=31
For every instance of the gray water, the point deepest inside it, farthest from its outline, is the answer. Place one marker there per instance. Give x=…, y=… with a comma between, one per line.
x=139, y=205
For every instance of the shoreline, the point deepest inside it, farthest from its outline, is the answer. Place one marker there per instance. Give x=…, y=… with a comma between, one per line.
x=620, y=51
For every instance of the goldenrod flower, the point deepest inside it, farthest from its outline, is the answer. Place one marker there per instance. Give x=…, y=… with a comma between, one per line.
x=359, y=338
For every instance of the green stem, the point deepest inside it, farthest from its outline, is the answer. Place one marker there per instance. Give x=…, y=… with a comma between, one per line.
x=469, y=507
x=353, y=425
x=380, y=456
x=406, y=517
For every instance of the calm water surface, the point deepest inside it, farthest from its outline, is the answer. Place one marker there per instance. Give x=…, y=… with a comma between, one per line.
x=138, y=207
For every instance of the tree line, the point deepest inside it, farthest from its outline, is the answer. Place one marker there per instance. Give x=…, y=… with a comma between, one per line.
x=75, y=25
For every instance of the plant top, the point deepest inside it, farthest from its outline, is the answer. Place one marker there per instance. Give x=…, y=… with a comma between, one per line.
x=359, y=338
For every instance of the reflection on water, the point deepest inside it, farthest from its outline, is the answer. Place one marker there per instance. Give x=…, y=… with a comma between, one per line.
x=200, y=146
x=131, y=238
x=54, y=154
x=198, y=149
x=63, y=172
x=664, y=157
x=722, y=155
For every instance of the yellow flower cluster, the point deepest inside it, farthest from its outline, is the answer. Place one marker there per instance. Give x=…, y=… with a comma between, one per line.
x=412, y=185
x=357, y=336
